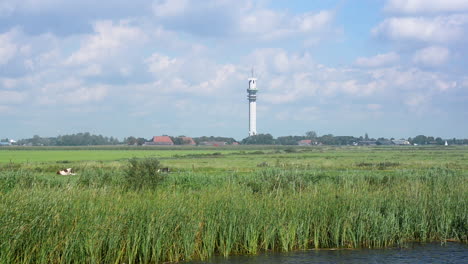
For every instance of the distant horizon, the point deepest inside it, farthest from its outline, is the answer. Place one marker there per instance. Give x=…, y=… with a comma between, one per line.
x=388, y=67
x=238, y=140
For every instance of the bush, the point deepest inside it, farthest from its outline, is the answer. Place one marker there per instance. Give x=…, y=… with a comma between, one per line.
x=143, y=173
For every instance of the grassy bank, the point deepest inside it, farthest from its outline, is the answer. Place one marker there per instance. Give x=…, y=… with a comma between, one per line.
x=96, y=217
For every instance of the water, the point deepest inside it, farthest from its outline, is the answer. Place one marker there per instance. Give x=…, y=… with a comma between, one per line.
x=455, y=253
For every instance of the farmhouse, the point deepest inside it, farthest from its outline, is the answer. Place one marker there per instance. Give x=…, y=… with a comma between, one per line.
x=305, y=142
x=161, y=141
x=401, y=142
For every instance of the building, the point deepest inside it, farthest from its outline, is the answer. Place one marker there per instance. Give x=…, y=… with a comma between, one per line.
x=252, y=97
x=213, y=143
x=367, y=143
x=188, y=141
x=161, y=141
x=305, y=142
x=401, y=142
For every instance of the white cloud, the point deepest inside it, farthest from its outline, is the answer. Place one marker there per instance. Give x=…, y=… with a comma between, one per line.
x=431, y=56
x=268, y=24
x=71, y=91
x=354, y=87
x=378, y=60
x=241, y=18
x=444, y=86
x=9, y=97
x=108, y=39
x=311, y=22
x=426, y=6
x=440, y=29
x=158, y=62
x=82, y=95
x=8, y=48
x=8, y=83
x=91, y=70
x=221, y=77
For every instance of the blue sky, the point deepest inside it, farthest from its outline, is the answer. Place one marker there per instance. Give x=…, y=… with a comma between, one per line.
x=391, y=68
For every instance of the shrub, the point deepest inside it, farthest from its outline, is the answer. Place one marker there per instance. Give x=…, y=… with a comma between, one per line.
x=143, y=173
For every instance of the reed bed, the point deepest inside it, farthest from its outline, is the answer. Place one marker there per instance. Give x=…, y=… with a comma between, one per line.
x=189, y=215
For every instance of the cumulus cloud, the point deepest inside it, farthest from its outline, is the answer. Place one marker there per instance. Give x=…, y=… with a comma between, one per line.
x=378, y=60
x=11, y=97
x=71, y=91
x=8, y=48
x=432, y=56
x=158, y=62
x=238, y=18
x=268, y=24
x=107, y=40
x=426, y=6
x=440, y=29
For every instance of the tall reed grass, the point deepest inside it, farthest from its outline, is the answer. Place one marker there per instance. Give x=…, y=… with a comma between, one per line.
x=194, y=216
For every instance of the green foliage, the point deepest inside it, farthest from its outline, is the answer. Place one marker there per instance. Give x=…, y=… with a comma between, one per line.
x=79, y=139
x=260, y=139
x=289, y=140
x=321, y=197
x=143, y=173
x=228, y=140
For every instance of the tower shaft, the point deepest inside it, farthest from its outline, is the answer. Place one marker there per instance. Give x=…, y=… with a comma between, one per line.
x=252, y=97
x=252, y=118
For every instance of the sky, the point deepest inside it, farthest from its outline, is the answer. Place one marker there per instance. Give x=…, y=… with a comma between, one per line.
x=389, y=68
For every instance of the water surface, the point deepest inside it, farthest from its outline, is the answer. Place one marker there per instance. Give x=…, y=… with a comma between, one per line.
x=455, y=253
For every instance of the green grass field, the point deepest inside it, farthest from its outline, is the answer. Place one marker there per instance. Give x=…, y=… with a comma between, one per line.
x=228, y=200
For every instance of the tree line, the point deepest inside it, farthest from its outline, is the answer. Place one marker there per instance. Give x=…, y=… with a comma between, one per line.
x=87, y=139
x=330, y=139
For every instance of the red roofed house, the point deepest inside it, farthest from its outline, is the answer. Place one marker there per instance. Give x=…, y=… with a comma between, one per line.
x=162, y=140
x=305, y=142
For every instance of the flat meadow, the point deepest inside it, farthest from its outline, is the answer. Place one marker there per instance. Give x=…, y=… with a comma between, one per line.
x=225, y=200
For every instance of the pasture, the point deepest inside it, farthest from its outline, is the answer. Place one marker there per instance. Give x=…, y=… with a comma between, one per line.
x=225, y=200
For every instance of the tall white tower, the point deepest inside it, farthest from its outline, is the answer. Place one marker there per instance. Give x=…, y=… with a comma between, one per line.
x=252, y=96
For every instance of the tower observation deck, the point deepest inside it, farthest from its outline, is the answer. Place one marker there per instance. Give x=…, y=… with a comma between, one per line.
x=252, y=97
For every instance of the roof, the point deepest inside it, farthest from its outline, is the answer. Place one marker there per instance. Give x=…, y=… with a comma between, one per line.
x=306, y=141
x=213, y=143
x=401, y=142
x=163, y=139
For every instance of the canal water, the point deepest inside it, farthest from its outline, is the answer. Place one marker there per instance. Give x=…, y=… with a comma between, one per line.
x=455, y=253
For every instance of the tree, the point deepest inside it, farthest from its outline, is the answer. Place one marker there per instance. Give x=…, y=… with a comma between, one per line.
x=131, y=140
x=311, y=134
x=366, y=137
x=420, y=140
x=289, y=140
x=327, y=139
x=140, y=141
x=260, y=139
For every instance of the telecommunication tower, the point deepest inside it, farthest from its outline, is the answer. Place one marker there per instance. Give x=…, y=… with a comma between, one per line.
x=252, y=97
